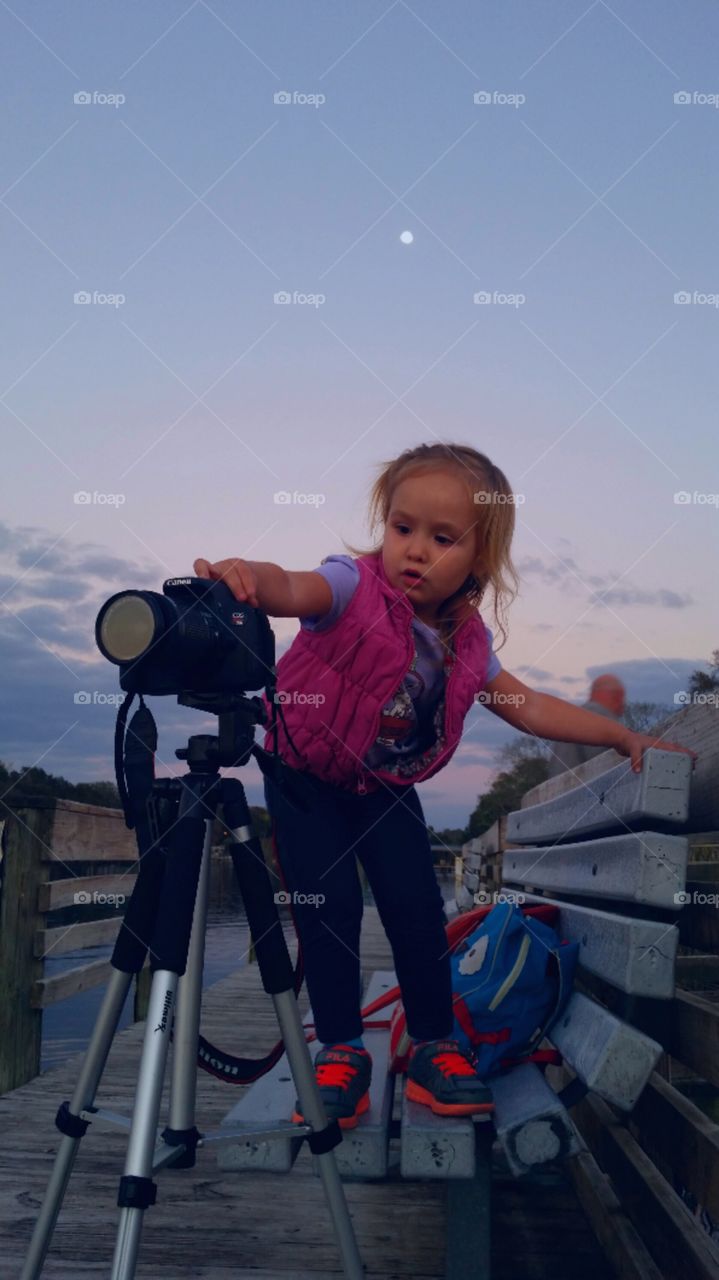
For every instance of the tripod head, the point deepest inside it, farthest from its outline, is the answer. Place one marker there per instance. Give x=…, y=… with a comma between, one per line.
x=235, y=743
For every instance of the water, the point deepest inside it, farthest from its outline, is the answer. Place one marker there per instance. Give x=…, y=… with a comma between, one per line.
x=67, y=1026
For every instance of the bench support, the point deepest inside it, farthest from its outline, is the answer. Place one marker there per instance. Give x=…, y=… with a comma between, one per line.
x=468, y=1202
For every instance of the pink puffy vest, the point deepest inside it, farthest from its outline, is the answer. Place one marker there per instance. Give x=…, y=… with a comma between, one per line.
x=333, y=685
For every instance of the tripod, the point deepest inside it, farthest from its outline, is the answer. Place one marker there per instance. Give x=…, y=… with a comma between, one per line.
x=166, y=915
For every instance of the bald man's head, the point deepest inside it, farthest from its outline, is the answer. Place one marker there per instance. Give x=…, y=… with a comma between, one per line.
x=609, y=692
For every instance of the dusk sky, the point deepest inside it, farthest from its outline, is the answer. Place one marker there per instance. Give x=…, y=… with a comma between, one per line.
x=495, y=225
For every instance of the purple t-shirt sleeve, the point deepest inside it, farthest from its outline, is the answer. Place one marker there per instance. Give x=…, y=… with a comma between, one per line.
x=495, y=665
x=342, y=574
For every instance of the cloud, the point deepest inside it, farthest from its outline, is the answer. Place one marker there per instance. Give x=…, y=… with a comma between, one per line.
x=567, y=573
x=48, y=654
x=59, y=588
x=536, y=672
x=662, y=599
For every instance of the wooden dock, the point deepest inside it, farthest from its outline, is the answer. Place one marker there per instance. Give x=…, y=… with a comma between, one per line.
x=211, y=1225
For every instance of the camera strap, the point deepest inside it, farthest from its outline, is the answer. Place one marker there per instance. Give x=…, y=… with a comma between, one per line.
x=135, y=758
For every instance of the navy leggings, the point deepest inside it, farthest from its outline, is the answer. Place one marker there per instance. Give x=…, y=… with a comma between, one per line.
x=317, y=849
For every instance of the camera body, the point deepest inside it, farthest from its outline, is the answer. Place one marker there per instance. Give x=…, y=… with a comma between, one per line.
x=194, y=638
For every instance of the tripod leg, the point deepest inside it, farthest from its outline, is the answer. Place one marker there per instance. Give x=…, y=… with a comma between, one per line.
x=181, y=1121
x=137, y=1190
x=277, y=978
x=69, y=1122
x=303, y=1074
x=169, y=948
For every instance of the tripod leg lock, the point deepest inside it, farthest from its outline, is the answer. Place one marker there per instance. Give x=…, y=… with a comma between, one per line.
x=187, y=1138
x=324, y=1140
x=136, y=1193
x=72, y=1126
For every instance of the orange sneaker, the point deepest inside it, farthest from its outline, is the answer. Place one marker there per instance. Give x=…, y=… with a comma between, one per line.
x=343, y=1075
x=441, y=1076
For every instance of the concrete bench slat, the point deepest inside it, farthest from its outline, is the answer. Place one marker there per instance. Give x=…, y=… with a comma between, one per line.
x=435, y=1146
x=645, y=866
x=531, y=1123
x=363, y=1152
x=267, y=1104
x=612, y=1058
x=270, y=1103
x=637, y=956
x=659, y=792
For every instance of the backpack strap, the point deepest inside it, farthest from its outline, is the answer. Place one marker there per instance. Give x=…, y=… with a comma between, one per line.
x=474, y=1036
x=547, y=1057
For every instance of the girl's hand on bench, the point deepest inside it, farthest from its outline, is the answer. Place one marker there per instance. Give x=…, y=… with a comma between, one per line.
x=635, y=744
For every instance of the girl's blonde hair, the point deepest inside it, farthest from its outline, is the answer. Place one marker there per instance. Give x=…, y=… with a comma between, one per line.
x=494, y=527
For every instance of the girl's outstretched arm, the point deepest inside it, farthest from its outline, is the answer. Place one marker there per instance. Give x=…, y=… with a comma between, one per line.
x=283, y=593
x=544, y=716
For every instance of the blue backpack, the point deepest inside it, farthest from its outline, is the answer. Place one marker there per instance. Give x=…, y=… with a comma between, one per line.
x=511, y=979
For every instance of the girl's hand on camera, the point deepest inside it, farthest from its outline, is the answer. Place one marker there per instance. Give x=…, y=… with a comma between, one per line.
x=238, y=575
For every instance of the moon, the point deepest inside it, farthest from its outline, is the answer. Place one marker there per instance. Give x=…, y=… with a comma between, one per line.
x=406, y=237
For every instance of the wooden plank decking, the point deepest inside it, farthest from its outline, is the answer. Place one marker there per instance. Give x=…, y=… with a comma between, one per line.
x=212, y=1226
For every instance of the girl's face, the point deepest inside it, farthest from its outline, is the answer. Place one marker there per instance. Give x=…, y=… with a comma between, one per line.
x=431, y=531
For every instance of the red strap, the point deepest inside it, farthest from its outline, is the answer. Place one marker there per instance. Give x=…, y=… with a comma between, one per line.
x=473, y=1035
x=461, y=1012
x=492, y=1037
x=552, y=1056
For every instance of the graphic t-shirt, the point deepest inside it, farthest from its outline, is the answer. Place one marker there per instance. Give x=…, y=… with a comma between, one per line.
x=406, y=725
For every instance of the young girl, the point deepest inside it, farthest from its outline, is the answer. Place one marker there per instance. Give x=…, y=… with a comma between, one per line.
x=390, y=656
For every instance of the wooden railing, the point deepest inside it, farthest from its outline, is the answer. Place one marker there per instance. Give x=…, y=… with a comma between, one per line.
x=62, y=863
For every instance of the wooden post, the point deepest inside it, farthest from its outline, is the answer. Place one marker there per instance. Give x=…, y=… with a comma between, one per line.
x=27, y=836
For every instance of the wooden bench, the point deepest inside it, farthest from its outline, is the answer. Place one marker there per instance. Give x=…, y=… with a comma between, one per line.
x=625, y=882
x=262, y=1138
x=612, y=852
x=615, y=889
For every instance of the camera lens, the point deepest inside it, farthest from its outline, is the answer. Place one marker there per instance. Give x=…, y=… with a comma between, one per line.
x=127, y=627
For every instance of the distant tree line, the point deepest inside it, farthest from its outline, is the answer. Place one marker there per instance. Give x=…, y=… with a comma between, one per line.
x=24, y=784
